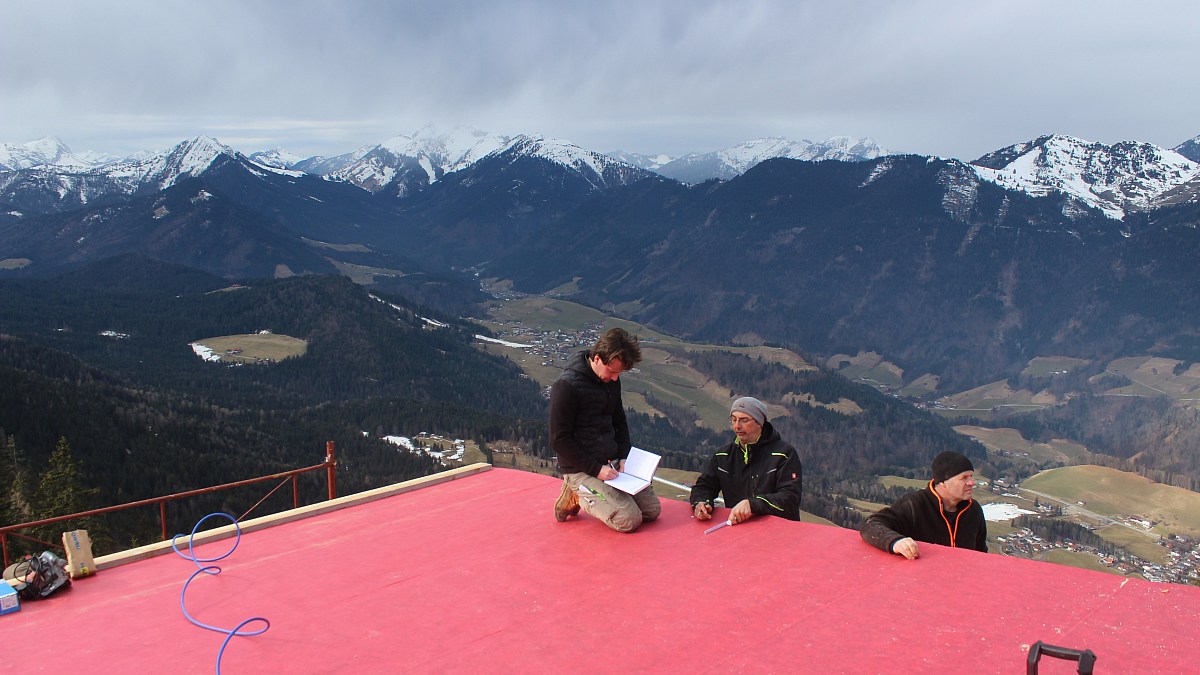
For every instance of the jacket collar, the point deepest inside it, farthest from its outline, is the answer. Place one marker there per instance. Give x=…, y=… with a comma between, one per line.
x=768, y=435
x=938, y=499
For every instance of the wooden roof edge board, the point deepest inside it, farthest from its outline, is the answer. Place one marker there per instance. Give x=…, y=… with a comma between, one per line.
x=226, y=531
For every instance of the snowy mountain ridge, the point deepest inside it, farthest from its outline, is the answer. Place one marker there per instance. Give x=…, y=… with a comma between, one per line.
x=842, y=148
x=423, y=157
x=452, y=150
x=648, y=162
x=1116, y=179
x=408, y=162
x=74, y=185
x=47, y=151
x=598, y=169
x=730, y=162
x=162, y=170
x=277, y=158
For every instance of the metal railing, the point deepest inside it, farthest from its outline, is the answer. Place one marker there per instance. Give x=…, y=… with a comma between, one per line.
x=330, y=466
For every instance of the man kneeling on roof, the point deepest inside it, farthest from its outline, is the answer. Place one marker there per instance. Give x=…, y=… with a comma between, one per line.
x=941, y=513
x=758, y=473
x=590, y=435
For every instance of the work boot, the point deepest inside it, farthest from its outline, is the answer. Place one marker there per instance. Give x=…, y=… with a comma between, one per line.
x=567, y=504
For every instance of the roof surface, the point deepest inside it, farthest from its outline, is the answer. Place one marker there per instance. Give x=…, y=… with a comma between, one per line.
x=474, y=574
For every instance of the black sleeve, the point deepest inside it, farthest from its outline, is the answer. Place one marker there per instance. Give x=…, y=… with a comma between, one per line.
x=887, y=526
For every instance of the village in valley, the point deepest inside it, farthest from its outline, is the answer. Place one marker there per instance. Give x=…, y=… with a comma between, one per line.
x=1183, y=566
x=446, y=450
x=1179, y=554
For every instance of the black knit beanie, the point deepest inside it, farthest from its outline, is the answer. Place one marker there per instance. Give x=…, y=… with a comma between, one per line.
x=949, y=464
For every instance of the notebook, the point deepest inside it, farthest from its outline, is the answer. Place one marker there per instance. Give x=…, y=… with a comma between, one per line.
x=639, y=471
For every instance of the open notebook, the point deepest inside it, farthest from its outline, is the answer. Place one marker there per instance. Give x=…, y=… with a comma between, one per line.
x=639, y=471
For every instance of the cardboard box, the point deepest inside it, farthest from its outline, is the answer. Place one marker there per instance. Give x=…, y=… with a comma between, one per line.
x=9, y=602
x=79, y=553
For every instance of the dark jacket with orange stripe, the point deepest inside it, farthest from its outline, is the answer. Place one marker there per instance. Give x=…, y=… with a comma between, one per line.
x=919, y=515
x=768, y=473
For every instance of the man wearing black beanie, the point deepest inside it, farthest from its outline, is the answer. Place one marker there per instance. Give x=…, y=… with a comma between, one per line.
x=941, y=513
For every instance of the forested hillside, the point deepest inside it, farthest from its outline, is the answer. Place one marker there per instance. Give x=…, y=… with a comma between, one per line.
x=97, y=363
x=1152, y=436
x=101, y=358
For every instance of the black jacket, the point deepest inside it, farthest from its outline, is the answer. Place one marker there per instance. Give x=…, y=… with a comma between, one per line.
x=768, y=473
x=919, y=515
x=587, y=421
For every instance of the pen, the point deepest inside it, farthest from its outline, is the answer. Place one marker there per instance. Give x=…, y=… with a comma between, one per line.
x=714, y=528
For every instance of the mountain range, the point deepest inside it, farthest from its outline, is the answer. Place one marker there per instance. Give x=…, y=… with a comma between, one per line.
x=1124, y=176
x=961, y=269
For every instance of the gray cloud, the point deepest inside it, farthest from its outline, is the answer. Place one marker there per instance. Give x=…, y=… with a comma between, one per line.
x=947, y=78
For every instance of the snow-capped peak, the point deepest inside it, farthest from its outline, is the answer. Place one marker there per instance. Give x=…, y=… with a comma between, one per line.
x=734, y=161
x=421, y=158
x=1113, y=178
x=276, y=158
x=50, y=148
x=194, y=156
x=44, y=151
x=75, y=185
x=598, y=169
x=163, y=169
x=648, y=162
x=745, y=155
x=451, y=150
x=557, y=150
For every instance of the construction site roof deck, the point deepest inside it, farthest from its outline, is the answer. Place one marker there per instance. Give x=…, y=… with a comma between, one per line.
x=468, y=571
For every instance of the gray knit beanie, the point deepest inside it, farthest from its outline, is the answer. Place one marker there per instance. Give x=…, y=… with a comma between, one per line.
x=752, y=407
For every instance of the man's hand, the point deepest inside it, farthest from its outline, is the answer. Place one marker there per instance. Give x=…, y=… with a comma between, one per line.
x=740, y=512
x=607, y=473
x=907, y=548
x=702, y=511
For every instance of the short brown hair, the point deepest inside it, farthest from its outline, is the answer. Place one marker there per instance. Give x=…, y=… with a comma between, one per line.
x=617, y=343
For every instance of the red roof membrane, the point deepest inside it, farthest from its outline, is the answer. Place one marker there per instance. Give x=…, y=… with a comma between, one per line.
x=475, y=575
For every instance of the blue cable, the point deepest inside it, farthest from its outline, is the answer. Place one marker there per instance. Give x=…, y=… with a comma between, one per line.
x=213, y=569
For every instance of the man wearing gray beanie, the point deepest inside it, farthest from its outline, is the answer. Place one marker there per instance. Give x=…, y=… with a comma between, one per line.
x=941, y=513
x=757, y=473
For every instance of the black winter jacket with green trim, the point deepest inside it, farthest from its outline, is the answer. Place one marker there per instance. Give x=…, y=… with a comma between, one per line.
x=772, y=479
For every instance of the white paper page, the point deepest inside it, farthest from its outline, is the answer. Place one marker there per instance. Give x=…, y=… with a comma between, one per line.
x=641, y=463
x=628, y=483
x=639, y=471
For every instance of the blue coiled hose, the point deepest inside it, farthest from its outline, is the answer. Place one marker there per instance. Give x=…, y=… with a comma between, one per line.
x=213, y=569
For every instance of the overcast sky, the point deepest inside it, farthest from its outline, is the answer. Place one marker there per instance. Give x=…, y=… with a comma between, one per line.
x=954, y=79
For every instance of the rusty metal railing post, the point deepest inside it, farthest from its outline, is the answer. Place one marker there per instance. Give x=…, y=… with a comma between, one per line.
x=331, y=469
x=162, y=518
x=295, y=493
